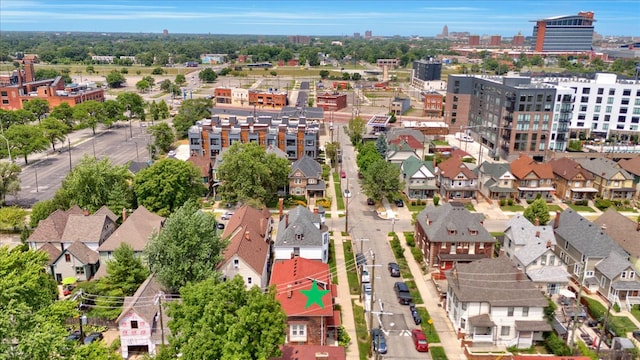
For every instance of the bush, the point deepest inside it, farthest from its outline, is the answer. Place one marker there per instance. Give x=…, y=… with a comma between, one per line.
x=410, y=240
x=325, y=203
x=417, y=255
x=581, y=202
x=529, y=201
x=413, y=203
x=343, y=337
x=510, y=202
x=603, y=204
x=503, y=202
x=556, y=346
x=436, y=200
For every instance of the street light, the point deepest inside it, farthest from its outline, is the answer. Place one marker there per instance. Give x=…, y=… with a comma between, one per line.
x=130, y=129
x=69, y=142
x=8, y=147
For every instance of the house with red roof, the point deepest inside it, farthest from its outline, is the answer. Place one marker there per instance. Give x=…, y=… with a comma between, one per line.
x=249, y=251
x=456, y=180
x=306, y=294
x=533, y=178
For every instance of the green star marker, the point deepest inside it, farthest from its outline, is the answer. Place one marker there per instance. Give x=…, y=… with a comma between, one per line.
x=314, y=295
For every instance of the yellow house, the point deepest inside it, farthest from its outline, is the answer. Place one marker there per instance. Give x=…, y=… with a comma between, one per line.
x=611, y=181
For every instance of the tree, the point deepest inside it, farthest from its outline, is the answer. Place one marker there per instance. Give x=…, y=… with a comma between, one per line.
x=54, y=130
x=40, y=211
x=332, y=151
x=112, y=112
x=23, y=116
x=157, y=71
x=367, y=155
x=163, y=136
x=382, y=179
x=356, y=130
x=356, y=76
x=132, y=102
x=381, y=146
x=94, y=183
x=9, y=179
x=168, y=184
x=26, y=140
x=538, y=209
x=208, y=75
x=64, y=112
x=89, y=114
x=150, y=80
x=31, y=321
x=188, y=249
x=180, y=79
x=38, y=107
x=223, y=320
x=12, y=217
x=143, y=86
x=324, y=74
x=115, y=79
x=248, y=172
x=191, y=111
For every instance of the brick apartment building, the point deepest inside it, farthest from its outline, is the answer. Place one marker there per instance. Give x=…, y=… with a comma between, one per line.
x=432, y=104
x=271, y=99
x=20, y=86
x=296, y=137
x=331, y=101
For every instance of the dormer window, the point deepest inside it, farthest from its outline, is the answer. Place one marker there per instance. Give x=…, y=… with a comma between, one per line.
x=473, y=232
x=236, y=263
x=299, y=237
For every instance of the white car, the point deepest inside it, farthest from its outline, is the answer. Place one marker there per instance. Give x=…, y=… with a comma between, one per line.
x=347, y=193
x=227, y=215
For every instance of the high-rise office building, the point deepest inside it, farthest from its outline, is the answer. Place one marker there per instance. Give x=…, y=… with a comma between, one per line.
x=518, y=40
x=564, y=33
x=445, y=31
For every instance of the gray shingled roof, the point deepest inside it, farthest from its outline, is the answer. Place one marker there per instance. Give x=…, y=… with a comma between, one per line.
x=135, y=230
x=495, y=281
x=495, y=170
x=522, y=232
x=585, y=236
x=447, y=217
x=600, y=166
x=301, y=222
x=613, y=265
x=85, y=228
x=308, y=166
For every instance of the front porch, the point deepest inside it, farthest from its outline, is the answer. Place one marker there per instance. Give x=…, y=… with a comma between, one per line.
x=546, y=193
x=585, y=193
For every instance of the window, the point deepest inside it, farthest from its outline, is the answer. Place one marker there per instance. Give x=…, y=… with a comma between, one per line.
x=297, y=332
x=525, y=311
x=134, y=324
x=236, y=263
x=3, y=93
x=543, y=260
x=79, y=270
x=249, y=280
x=552, y=259
x=67, y=257
x=463, y=305
x=510, y=311
x=623, y=275
x=297, y=181
x=505, y=330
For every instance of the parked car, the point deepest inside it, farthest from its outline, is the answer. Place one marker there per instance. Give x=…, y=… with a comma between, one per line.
x=220, y=226
x=394, y=269
x=399, y=202
x=636, y=334
x=402, y=293
x=347, y=193
x=343, y=174
x=227, y=215
x=94, y=336
x=366, y=296
x=361, y=259
x=379, y=341
x=414, y=314
x=419, y=340
x=370, y=201
x=68, y=289
x=365, y=276
x=74, y=336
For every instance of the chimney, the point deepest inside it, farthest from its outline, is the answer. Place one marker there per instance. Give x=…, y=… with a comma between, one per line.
x=281, y=206
x=289, y=291
x=246, y=235
x=536, y=222
x=322, y=355
x=604, y=226
x=519, y=275
x=85, y=212
x=124, y=214
x=548, y=244
x=29, y=72
x=556, y=221
x=537, y=234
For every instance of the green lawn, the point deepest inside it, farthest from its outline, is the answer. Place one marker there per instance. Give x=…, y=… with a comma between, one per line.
x=428, y=329
x=338, y=189
x=415, y=208
x=437, y=353
x=512, y=208
x=398, y=251
x=352, y=273
x=362, y=333
x=415, y=294
x=581, y=208
x=332, y=262
x=554, y=208
x=635, y=311
x=440, y=142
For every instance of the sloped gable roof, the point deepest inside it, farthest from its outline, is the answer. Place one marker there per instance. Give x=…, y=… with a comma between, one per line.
x=447, y=217
x=135, y=230
x=85, y=228
x=412, y=165
x=301, y=221
x=568, y=168
x=52, y=228
x=81, y=252
x=246, y=232
x=613, y=265
x=201, y=162
x=454, y=166
x=524, y=165
x=140, y=301
x=107, y=212
x=292, y=275
x=624, y=231
x=495, y=170
x=308, y=166
x=461, y=154
x=407, y=140
x=53, y=252
x=605, y=168
x=585, y=236
x=631, y=165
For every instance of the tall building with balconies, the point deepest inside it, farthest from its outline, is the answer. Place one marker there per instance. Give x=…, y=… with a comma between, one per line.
x=564, y=33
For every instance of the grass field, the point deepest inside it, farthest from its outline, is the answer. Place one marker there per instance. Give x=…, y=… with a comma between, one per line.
x=581, y=208
x=332, y=262
x=362, y=333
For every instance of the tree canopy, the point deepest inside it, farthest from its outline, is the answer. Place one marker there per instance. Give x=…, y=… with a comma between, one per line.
x=54, y=130
x=38, y=107
x=9, y=179
x=538, y=209
x=163, y=136
x=167, y=185
x=208, y=75
x=25, y=140
x=191, y=111
x=382, y=179
x=94, y=183
x=188, y=249
x=223, y=320
x=356, y=130
x=367, y=155
x=248, y=172
x=115, y=79
x=90, y=114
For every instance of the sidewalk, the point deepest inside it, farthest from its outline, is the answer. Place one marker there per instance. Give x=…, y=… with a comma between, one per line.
x=446, y=332
x=344, y=295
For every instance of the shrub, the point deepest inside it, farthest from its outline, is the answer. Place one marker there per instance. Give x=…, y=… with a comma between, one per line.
x=581, y=202
x=510, y=202
x=603, y=204
x=410, y=240
x=325, y=203
x=436, y=200
x=556, y=346
x=529, y=201
x=343, y=337
x=417, y=255
x=413, y=203
x=503, y=202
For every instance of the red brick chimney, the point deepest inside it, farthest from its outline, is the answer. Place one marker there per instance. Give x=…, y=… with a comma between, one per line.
x=556, y=221
x=124, y=214
x=548, y=244
x=85, y=212
x=315, y=210
x=537, y=234
x=536, y=222
x=281, y=206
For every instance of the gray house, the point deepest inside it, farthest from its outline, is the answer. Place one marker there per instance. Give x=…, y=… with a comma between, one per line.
x=496, y=180
x=419, y=177
x=305, y=178
x=302, y=233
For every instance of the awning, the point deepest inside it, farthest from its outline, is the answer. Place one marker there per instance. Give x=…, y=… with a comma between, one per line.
x=536, y=189
x=585, y=189
x=567, y=293
x=483, y=320
x=69, y=280
x=625, y=285
x=539, y=325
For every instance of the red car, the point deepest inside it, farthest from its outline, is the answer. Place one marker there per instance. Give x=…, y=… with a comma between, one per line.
x=343, y=174
x=419, y=340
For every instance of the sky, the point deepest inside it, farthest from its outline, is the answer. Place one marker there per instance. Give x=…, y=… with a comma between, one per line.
x=311, y=17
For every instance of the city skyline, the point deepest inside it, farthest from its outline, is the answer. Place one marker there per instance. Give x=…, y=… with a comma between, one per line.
x=383, y=18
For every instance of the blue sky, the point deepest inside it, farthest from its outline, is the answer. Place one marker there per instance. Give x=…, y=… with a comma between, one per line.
x=310, y=17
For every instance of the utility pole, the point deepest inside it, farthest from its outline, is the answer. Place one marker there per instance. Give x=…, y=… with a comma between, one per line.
x=577, y=309
x=346, y=210
x=69, y=143
x=158, y=300
x=604, y=329
x=373, y=282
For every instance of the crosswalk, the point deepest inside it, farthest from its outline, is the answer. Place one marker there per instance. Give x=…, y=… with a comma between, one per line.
x=397, y=332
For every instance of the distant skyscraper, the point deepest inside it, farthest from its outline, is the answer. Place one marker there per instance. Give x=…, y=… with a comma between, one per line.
x=474, y=40
x=518, y=40
x=495, y=40
x=356, y=35
x=367, y=34
x=165, y=32
x=299, y=39
x=564, y=33
x=445, y=31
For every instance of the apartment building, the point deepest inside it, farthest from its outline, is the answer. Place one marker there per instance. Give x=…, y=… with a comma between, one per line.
x=564, y=33
x=296, y=137
x=331, y=101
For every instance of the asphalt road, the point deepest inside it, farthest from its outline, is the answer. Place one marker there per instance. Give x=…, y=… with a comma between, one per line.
x=369, y=235
x=45, y=172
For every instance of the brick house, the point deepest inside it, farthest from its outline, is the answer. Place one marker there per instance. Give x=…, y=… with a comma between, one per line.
x=313, y=325
x=457, y=182
x=571, y=180
x=449, y=234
